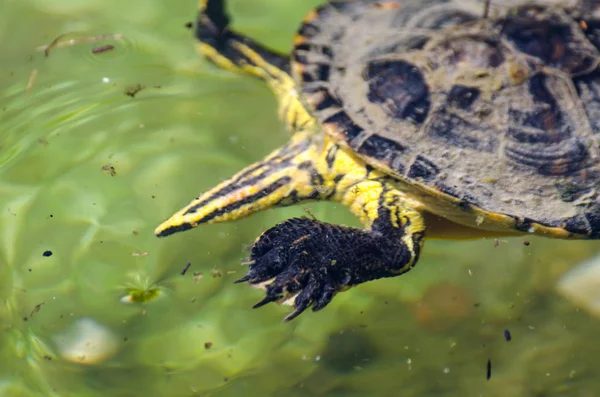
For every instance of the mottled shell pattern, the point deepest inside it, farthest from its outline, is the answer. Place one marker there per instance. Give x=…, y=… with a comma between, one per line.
x=499, y=111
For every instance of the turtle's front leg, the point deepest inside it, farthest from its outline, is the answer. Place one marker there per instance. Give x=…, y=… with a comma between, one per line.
x=305, y=262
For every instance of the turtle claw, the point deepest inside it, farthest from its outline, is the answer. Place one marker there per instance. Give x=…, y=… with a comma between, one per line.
x=267, y=299
x=243, y=279
x=301, y=303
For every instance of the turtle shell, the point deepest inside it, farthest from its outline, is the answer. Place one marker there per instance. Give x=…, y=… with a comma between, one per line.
x=498, y=113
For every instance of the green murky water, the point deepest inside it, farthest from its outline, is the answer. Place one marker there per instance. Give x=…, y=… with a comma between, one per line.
x=87, y=172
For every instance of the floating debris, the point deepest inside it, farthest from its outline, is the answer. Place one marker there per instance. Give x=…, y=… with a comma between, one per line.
x=34, y=311
x=110, y=169
x=52, y=44
x=133, y=90
x=497, y=242
x=507, y=335
x=104, y=48
x=309, y=212
x=489, y=369
x=185, y=268
x=526, y=243
x=299, y=240
x=56, y=43
x=189, y=25
x=47, y=253
x=208, y=345
x=30, y=82
x=198, y=276
x=216, y=273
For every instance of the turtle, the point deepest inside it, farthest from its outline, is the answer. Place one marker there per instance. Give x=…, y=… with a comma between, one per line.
x=428, y=119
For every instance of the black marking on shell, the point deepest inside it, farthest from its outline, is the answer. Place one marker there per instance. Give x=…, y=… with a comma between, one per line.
x=588, y=89
x=308, y=30
x=548, y=36
x=318, y=48
x=402, y=45
x=300, y=58
x=577, y=224
x=546, y=115
x=449, y=190
x=344, y=123
x=375, y=145
x=385, y=150
x=465, y=205
x=523, y=224
x=307, y=77
x=411, y=14
x=326, y=100
x=466, y=200
x=445, y=18
x=337, y=5
x=401, y=88
x=456, y=131
x=593, y=218
x=543, y=137
x=561, y=159
x=462, y=96
x=315, y=72
x=459, y=50
x=592, y=31
x=303, y=47
x=423, y=168
x=322, y=72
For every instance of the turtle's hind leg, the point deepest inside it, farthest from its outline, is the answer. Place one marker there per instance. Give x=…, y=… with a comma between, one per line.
x=236, y=52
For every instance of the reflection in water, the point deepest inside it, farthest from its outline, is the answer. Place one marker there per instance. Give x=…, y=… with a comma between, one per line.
x=86, y=342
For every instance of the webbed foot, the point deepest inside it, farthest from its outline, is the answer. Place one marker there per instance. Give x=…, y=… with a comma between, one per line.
x=305, y=262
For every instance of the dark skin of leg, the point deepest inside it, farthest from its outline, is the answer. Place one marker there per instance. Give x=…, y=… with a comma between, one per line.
x=316, y=260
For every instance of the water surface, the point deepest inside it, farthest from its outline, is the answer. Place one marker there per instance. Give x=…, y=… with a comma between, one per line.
x=87, y=172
